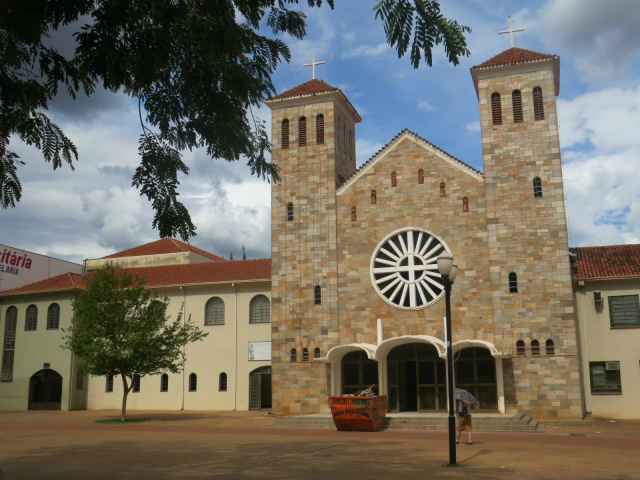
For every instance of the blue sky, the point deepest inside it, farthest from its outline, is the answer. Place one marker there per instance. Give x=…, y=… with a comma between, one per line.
x=94, y=211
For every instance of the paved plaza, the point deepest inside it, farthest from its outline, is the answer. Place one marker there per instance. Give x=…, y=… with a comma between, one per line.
x=246, y=445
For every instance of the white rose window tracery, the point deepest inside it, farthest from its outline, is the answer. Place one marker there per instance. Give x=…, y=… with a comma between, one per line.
x=404, y=269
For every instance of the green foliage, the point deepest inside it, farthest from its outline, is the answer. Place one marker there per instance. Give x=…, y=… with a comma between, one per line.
x=196, y=67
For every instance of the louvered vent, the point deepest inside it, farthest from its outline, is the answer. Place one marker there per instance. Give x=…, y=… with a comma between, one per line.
x=285, y=133
x=496, y=109
x=320, y=129
x=516, y=98
x=538, y=106
x=302, y=132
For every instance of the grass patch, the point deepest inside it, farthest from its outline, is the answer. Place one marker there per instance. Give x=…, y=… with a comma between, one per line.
x=128, y=420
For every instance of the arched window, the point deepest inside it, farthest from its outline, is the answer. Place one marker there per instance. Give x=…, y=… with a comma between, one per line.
x=394, y=179
x=516, y=99
x=550, y=347
x=538, y=105
x=31, y=318
x=317, y=295
x=222, y=383
x=520, y=348
x=289, y=212
x=9, y=344
x=164, y=382
x=465, y=204
x=214, y=312
x=354, y=214
x=302, y=132
x=421, y=176
x=537, y=187
x=535, y=347
x=374, y=197
x=294, y=355
x=193, y=382
x=443, y=189
x=513, y=283
x=320, y=129
x=53, y=317
x=260, y=310
x=496, y=109
x=136, y=384
x=109, y=384
x=285, y=133
x=316, y=353
x=305, y=354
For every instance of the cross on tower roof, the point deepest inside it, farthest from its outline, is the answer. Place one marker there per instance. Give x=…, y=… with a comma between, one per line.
x=511, y=31
x=313, y=65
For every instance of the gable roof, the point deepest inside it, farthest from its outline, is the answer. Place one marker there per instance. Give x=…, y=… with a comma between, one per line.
x=165, y=275
x=406, y=133
x=611, y=261
x=312, y=87
x=165, y=245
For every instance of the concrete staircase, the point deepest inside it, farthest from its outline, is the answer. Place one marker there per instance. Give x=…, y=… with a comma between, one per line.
x=488, y=422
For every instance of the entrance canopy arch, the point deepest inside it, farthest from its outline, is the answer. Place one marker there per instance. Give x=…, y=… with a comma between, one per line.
x=457, y=346
x=336, y=353
x=385, y=347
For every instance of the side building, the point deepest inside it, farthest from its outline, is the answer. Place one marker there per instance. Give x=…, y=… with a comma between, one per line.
x=228, y=370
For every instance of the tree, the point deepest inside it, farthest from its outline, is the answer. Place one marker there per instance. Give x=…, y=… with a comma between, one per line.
x=120, y=329
x=196, y=67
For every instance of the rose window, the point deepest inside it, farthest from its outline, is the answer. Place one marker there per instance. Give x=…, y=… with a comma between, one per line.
x=404, y=269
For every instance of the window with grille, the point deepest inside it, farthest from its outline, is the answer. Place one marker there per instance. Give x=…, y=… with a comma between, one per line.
x=222, y=383
x=289, y=212
x=535, y=347
x=109, y=384
x=164, y=382
x=214, y=312
x=516, y=99
x=9, y=344
x=305, y=354
x=53, y=317
x=320, y=129
x=193, y=382
x=136, y=384
x=520, y=351
x=294, y=355
x=302, y=131
x=31, y=318
x=513, y=283
x=537, y=187
x=443, y=189
x=316, y=353
x=538, y=105
x=604, y=378
x=285, y=133
x=550, y=347
x=260, y=310
x=317, y=295
x=79, y=380
x=465, y=204
x=496, y=109
x=624, y=311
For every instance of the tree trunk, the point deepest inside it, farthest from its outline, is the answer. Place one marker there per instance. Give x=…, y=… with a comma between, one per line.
x=125, y=389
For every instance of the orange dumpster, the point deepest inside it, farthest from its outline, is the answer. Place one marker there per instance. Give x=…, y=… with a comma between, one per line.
x=358, y=414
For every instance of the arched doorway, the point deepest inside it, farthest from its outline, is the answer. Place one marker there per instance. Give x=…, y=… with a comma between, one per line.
x=475, y=371
x=359, y=372
x=45, y=390
x=416, y=379
x=260, y=389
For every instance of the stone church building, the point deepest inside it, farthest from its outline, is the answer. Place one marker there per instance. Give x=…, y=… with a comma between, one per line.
x=356, y=296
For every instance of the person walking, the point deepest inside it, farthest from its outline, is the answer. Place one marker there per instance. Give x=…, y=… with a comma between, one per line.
x=464, y=422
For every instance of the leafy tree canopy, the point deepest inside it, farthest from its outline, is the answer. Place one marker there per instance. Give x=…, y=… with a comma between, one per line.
x=120, y=329
x=196, y=67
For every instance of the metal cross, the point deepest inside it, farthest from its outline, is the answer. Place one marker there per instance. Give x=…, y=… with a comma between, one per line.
x=511, y=31
x=313, y=65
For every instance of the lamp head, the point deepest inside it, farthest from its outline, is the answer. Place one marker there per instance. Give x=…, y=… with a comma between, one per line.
x=445, y=264
x=454, y=273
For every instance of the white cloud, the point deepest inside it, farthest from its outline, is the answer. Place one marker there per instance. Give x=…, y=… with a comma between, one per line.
x=366, y=51
x=365, y=149
x=425, y=106
x=473, y=126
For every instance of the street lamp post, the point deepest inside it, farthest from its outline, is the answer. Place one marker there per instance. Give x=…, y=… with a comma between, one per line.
x=449, y=271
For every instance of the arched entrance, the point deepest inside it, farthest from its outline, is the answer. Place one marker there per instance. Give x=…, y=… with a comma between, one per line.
x=475, y=371
x=359, y=372
x=260, y=389
x=416, y=379
x=45, y=390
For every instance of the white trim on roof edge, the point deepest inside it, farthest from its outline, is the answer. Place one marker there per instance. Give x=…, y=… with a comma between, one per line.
x=393, y=144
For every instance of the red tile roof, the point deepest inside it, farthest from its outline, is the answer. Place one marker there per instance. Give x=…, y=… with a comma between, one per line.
x=167, y=275
x=515, y=55
x=165, y=245
x=311, y=87
x=607, y=262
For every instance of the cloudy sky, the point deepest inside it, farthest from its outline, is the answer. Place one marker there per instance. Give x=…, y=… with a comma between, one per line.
x=94, y=211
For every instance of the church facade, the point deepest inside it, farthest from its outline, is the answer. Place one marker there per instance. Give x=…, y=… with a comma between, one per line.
x=356, y=296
